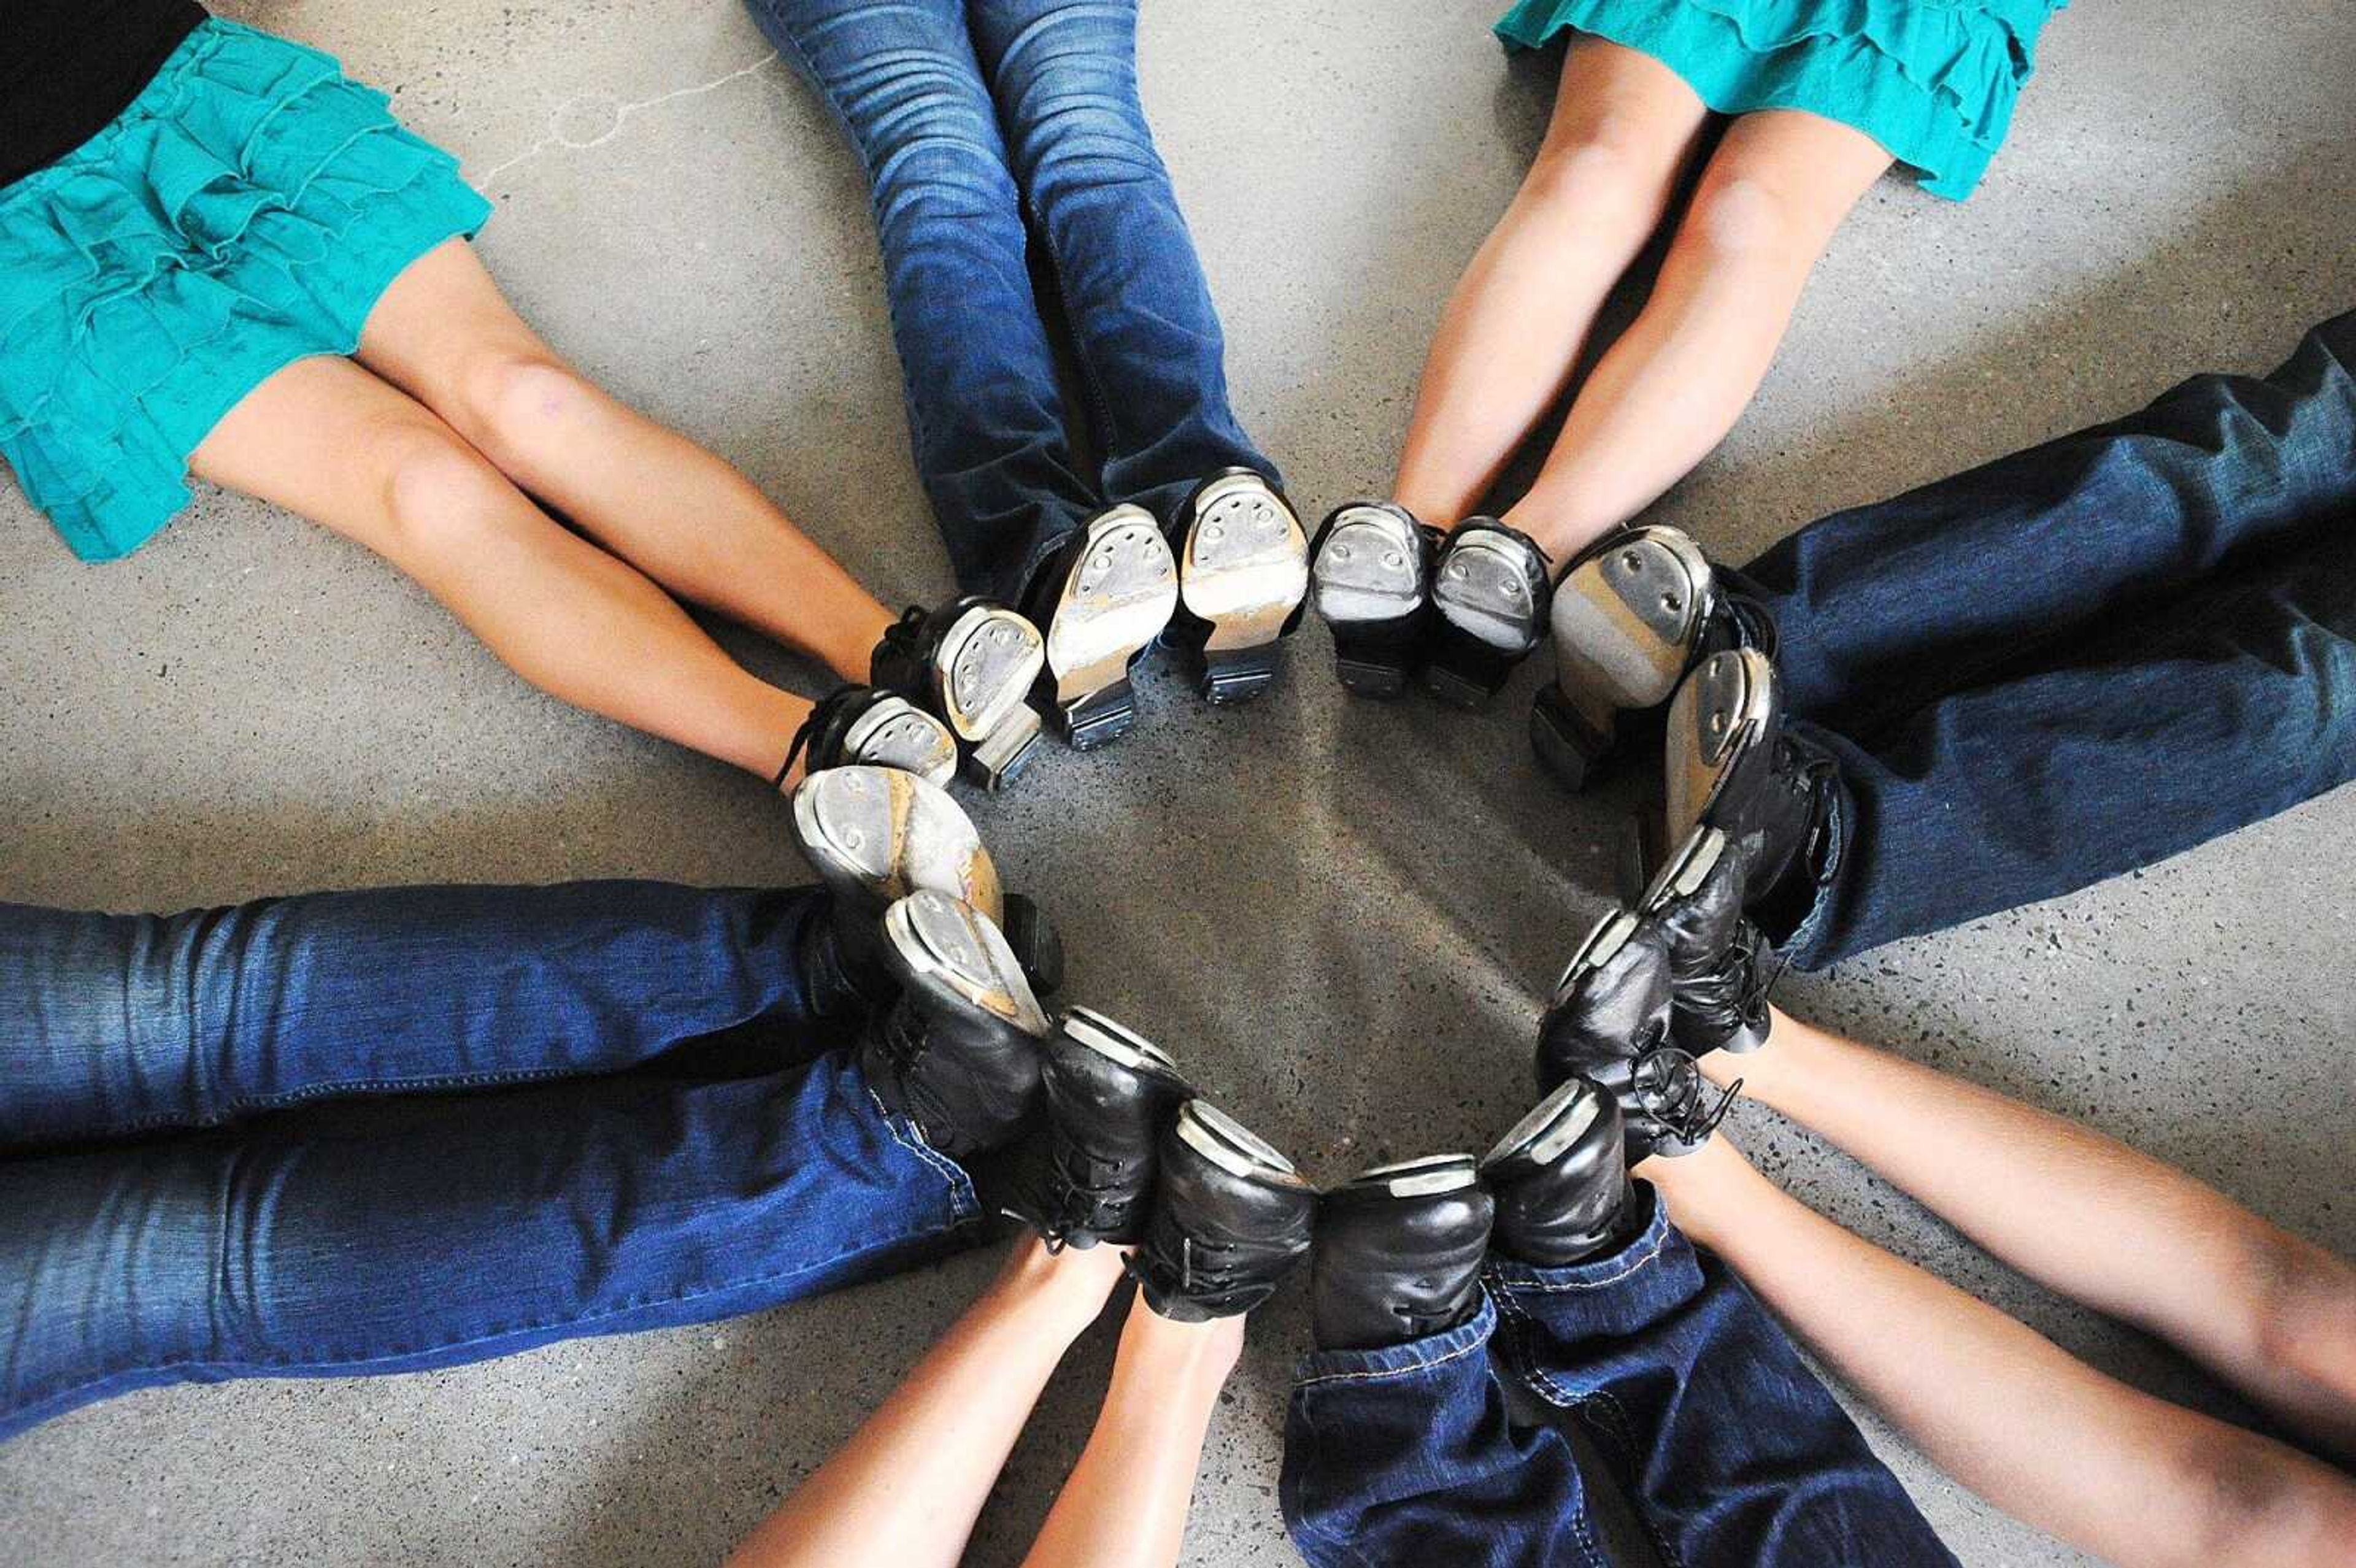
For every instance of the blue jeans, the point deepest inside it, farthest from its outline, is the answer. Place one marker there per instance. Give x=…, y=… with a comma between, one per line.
x=988, y=127
x=202, y=1177
x=2080, y=659
x=1731, y=1451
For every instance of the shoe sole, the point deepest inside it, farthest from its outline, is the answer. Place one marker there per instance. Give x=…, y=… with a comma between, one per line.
x=1626, y=621
x=947, y=945
x=1245, y=565
x=986, y=666
x=1369, y=569
x=1721, y=712
x=1609, y=936
x=1118, y=596
x=1695, y=857
x=896, y=733
x=1481, y=590
x=1552, y=1126
x=1116, y=1042
x=1427, y=1177
x=1232, y=1147
x=880, y=834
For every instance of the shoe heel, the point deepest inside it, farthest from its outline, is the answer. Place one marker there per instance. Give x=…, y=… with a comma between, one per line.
x=1237, y=674
x=1374, y=661
x=1465, y=672
x=1566, y=744
x=1003, y=754
x=1634, y=857
x=1037, y=946
x=1232, y=1147
x=1098, y=719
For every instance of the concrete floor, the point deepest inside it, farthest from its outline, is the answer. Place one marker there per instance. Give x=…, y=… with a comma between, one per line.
x=1339, y=915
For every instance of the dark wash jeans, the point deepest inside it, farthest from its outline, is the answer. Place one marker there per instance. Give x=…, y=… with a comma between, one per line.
x=986, y=127
x=2083, y=658
x=201, y=1180
x=1732, y=1452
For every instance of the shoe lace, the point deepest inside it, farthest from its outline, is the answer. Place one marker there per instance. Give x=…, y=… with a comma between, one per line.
x=820, y=712
x=1674, y=1093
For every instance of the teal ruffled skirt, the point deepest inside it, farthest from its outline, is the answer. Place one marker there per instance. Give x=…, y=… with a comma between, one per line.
x=1933, y=81
x=248, y=210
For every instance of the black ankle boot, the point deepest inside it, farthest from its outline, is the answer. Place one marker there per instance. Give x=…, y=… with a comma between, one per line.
x=1633, y=614
x=864, y=725
x=1101, y=601
x=1372, y=574
x=1609, y=1023
x=1561, y=1179
x=1731, y=766
x=1243, y=570
x=1718, y=972
x=1489, y=594
x=971, y=663
x=1107, y=1094
x=959, y=1054
x=1398, y=1253
x=1230, y=1218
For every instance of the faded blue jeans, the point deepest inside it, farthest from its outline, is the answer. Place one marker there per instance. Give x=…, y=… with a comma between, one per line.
x=987, y=128
x=378, y=1131
x=2080, y=659
x=1731, y=1452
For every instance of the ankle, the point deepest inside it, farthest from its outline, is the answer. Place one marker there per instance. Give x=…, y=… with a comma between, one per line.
x=1562, y=528
x=1199, y=1354
x=1069, y=1286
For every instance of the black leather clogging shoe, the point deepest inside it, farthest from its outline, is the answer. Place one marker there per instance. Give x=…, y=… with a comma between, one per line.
x=1398, y=1254
x=1490, y=590
x=1243, y=571
x=1730, y=765
x=958, y=1052
x=1371, y=574
x=1106, y=1095
x=1230, y=1218
x=971, y=663
x=1559, y=1179
x=1101, y=601
x=1720, y=967
x=1630, y=618
x=861, y=724
x=1609, y=1022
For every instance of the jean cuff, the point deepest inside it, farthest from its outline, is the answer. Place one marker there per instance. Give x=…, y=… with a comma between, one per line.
x=1804, y=944
x=965, y=1203
x=1417, y=1356
x=1605, y=1270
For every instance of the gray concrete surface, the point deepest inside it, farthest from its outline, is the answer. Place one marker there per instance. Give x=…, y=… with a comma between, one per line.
x=1339, y=913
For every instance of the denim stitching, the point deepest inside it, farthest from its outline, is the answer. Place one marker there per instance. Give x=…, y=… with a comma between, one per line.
x=961, y=1193
x=1651, y=1254
x=1418, y=1366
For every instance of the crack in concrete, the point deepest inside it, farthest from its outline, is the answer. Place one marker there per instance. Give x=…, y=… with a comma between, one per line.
x=619, y=115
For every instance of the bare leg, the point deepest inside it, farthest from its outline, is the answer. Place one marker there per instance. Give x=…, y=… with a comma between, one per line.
x=907, y=1486
x=1670, y=388
x=2271, y=1313
x=326, y=438
x=2114, y=1471
x=445, y=334
x=1125, y=1504
x=1623, y=125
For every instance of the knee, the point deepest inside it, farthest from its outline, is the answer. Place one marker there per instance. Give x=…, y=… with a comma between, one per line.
x=2254, y=1504
x=1742, y=218
x=2303, y=1306
x=1610, y=169
x=512, y=397
x=438, y=491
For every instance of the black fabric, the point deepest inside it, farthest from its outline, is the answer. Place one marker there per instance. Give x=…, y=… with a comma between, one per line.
x=69, y=67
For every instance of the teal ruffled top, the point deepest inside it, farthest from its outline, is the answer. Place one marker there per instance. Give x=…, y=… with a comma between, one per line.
x=1933, y=81
x=246, y=211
